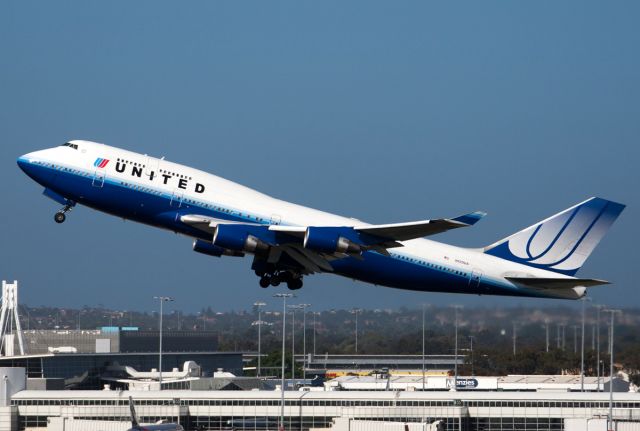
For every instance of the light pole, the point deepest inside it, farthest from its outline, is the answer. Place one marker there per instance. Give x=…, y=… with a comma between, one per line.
x=259, y=306
x=162, y=300
x=356, y=311
x=315, y=313
x=584, y=301
x=284, y=297
x=546, y=327
x=515, y=339
x=304, y=307
x=471, y=338
x=613, y=313
x=423, y=348
x=455, y=382
x=599, y=308
x=293, y=309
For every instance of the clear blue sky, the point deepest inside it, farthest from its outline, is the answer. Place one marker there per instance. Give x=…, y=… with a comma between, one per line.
x=385, y=111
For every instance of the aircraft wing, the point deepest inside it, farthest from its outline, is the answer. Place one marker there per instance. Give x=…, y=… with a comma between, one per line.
x=312, y=248
x=419, y=229
x=385, y=233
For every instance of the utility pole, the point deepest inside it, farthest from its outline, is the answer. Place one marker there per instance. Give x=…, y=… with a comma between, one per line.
x=162, y=300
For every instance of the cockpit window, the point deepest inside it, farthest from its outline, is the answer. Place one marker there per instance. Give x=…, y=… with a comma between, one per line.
x=69, y=144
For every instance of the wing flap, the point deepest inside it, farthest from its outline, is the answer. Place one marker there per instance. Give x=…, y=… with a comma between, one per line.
x=208, y=224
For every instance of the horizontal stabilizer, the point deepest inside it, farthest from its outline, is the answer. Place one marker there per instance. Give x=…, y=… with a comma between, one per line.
x=556, y=283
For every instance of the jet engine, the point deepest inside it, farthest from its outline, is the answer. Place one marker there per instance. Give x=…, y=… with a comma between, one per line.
x=209, y=249
x=235, y=237
x=329, y=240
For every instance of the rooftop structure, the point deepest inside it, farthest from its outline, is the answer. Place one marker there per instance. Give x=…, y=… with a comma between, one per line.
x=445, y=383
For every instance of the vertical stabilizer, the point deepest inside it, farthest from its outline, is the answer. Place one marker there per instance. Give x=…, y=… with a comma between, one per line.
x=563, y=242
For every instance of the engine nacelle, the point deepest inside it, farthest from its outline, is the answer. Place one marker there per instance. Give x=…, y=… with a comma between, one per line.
x=209, y=249
x=235, y=237
x=329, y=240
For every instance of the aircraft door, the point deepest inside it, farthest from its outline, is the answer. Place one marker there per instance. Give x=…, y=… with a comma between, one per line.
x=98, y=179
x=275, y=219
x=474, y=279
x=152, y=167
x=176, y=198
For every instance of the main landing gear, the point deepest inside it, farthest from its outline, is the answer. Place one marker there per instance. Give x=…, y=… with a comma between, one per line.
x=60, y=216
x=294, y=281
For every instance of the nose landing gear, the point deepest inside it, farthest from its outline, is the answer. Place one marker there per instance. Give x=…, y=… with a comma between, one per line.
x=60, y=216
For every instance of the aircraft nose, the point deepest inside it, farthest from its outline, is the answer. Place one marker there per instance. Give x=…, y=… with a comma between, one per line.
x=24, y=163
x=31, y=164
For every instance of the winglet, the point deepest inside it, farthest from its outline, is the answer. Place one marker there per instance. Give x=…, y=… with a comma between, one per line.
x=471, y=218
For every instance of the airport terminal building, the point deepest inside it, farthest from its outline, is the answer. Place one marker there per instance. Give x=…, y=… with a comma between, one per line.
x=108, y=410
x=252, y=410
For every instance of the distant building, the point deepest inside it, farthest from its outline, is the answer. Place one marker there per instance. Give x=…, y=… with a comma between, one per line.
x=116, y=340
x=331, y=366
x=89, y=370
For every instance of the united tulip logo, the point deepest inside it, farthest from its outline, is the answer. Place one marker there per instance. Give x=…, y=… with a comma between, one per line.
x=100, y=163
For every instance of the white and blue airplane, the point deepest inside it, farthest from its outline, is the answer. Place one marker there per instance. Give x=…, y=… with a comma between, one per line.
x=289, y=241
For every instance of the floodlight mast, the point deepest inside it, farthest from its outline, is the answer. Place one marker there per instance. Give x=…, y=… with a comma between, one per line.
x=455, y=382
x=304, y=339
x=284, y=297
x=259, y=306
x=162, y=300
x=610, y=418
x=356, y=311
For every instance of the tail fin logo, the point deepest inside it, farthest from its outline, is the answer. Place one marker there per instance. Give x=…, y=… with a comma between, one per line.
x=562, y=242
x=100, y=163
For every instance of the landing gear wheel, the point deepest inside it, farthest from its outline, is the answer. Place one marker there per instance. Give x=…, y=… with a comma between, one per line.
x=265, y=282
x=275, y=280
x=294, y=284
x=59, y=217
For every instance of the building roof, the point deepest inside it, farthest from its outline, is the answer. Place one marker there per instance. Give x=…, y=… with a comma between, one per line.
x=51, y=355
x=330, y=395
